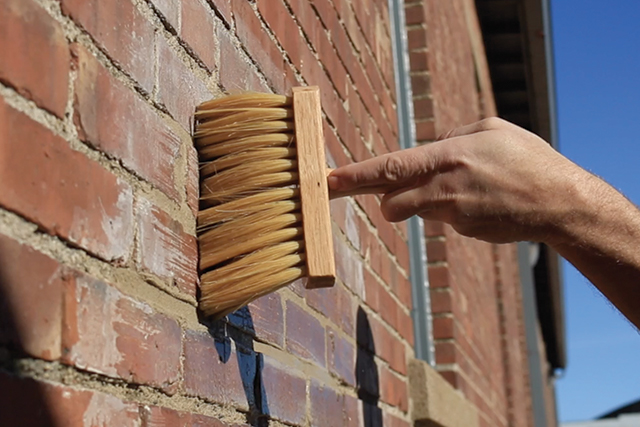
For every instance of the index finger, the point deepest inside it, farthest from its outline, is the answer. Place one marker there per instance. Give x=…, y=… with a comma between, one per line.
x=386, y=172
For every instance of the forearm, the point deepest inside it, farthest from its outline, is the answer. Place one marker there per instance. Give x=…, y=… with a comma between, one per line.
x=601, y=238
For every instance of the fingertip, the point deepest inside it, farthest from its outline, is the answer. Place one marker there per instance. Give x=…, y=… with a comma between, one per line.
x=334, y=182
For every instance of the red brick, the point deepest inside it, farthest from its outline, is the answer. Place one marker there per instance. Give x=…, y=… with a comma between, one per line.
x=122, y=31
x=452, y=377
x=388, y=347
x=305, y=334
x=193, y=180
x=393, y=390
x=198, y=30
x=29, y=37
x=414, y=14
x=134, y=342
x=443, y=327
x=393, y=421
x=371, y=291
x=164, y=249
x=389, y=308
x=446, y=353
x=439, y=276
x=441, y=301
x=336, y=150
x=224, y=7
x=258, y=43
x=284, y=27
x=61, y=190
x=268, y=319
x=349, y=267
x=417, y=38
x=170, y=10
x=341, y=357
x=402, y=253
x=419, y=61
x=236, y=73
x=404, y=291
x=178, y=88
x=423, y=108
x=101, y=101
x=153, y=416
x=212, y=372
x=436, y=250
x=405, y=327
x=352, y=411
x=57, y=405
x=425, y=131
x=327, y=406
x=434, y=228
x=421, y=84
x=31, y=295
x=285, y=391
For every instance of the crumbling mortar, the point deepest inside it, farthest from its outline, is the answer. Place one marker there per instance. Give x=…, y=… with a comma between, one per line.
x=58, y=373
x=162, y=299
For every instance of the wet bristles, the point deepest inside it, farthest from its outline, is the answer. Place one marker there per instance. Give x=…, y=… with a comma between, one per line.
x=249, y=225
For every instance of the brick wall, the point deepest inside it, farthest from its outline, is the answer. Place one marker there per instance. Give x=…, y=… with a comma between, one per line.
x=475, y=289
x=98, y=196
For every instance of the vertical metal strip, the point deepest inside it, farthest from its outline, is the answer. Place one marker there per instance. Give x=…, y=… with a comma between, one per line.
x=421, y=310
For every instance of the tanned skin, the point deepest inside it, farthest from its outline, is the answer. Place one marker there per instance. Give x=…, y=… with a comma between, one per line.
x=496, y=182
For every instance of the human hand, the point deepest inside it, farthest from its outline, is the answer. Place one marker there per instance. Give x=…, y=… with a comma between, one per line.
x=490, y=180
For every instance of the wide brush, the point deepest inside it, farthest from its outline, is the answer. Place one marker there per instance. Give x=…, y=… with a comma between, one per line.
x=264, y=202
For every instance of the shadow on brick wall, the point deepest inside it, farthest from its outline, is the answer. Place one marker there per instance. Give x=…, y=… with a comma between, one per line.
x=238, y=329
x=367, y=377
x=23, y=400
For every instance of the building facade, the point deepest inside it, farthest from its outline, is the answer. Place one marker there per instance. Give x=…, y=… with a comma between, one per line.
x=99, y=196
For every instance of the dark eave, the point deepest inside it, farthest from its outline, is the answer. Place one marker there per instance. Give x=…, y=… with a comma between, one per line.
x=517, y=39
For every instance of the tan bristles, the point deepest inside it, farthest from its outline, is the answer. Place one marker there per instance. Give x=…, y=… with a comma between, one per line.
x=244, y=206
x=221, y=303
x=242, y=157
x=250, y=226
x=212, y=151
x=216, y=136
x=247, y=100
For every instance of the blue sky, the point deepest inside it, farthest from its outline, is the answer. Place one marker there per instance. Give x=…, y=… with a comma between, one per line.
x=597, y=57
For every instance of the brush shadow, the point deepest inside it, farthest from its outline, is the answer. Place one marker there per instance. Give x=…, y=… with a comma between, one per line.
x=237, y=330
x=367, y=376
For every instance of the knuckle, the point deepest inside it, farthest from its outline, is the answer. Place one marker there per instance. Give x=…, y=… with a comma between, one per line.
x=393, y=169
x=491, y=123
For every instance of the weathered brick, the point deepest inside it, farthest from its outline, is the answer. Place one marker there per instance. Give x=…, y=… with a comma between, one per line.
x=29, y=37
x=101, y=101
x=285, y=392
x=31, y=295
x=164, y=249
x=193, y=180
x=53, y=404
x=284, y=27
x=121, y=30
x=268, y=318
x=61, y=190
x=212, y=370
x=349, y=267
x=423, y=108
x=327, y=406
x=259, y=44
x=170, y=10
x=178, y=87
x=443, y=327
x=153, y=416
x=305, y=334
x=425, y=131
x=199, y=31
x=134, y=342
x=421, y=84
x=414, y=14
x=236, y=72
x=224, y=7
x=441, y=301
x=436, y=250
x=342, y=360
x=393, y=390
x=393, y=421
x=439, y=276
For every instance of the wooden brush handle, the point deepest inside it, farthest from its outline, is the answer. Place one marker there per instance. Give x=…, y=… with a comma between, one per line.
x=314, y=192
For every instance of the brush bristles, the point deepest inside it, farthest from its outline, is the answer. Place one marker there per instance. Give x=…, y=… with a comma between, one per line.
x=249, y=226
